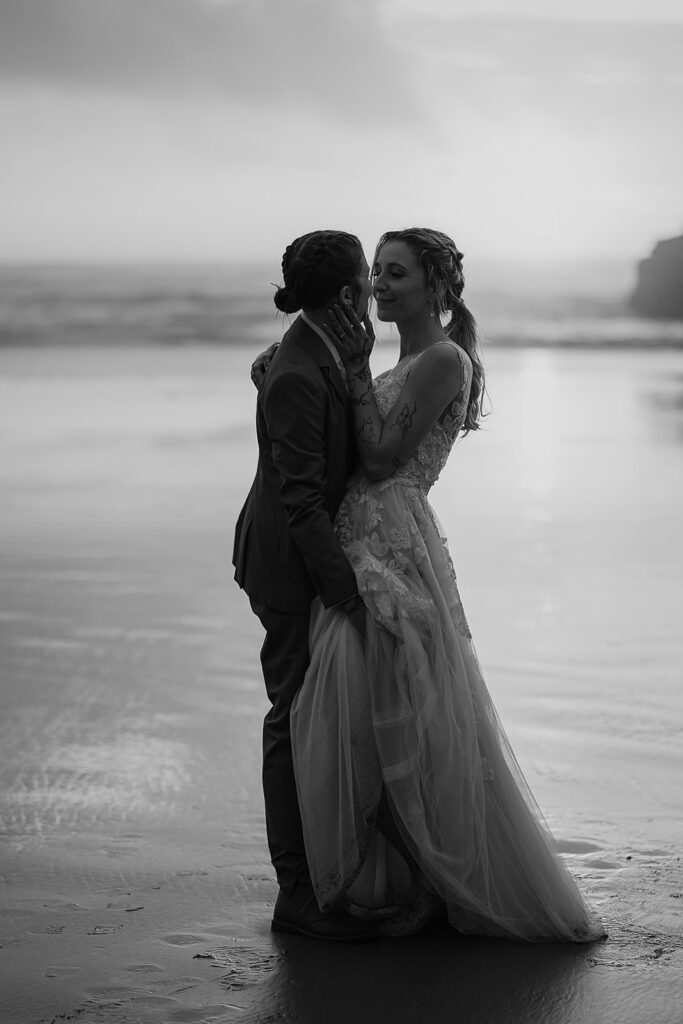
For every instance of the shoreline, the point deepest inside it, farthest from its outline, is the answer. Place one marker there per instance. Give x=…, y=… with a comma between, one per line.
x=135, y=884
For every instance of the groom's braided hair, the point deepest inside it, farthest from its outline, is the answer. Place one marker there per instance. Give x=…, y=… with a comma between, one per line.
x=314, y=268
x=441, y=261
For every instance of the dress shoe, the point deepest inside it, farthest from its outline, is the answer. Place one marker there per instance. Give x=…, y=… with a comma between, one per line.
x=298, y=913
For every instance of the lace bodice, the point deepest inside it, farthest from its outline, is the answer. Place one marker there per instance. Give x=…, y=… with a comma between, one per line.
x=362, y=507
x=428, y=460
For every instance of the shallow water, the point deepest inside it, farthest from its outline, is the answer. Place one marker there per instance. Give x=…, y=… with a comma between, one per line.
x=132, y=699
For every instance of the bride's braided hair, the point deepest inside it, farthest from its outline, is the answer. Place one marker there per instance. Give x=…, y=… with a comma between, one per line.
x=315, y=267
x=441, y=261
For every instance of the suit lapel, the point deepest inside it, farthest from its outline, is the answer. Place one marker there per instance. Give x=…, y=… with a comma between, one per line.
x=302, y=335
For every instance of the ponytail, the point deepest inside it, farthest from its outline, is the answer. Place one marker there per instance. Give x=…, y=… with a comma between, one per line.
x=462, y=329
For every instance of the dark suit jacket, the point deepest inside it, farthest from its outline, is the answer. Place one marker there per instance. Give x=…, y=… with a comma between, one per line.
x=286, y=550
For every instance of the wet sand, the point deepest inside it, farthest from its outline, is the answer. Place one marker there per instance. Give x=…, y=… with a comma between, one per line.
x=135, y=884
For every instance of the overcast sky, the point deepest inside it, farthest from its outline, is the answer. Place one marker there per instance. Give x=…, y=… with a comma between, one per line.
x=191, y=129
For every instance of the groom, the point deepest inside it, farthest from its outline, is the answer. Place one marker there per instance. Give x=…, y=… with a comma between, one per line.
x=286, y=551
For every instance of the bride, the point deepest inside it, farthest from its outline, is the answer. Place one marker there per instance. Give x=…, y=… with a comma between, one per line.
x=413, y=804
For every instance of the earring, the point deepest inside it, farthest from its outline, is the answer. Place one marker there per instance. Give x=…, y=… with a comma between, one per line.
x=432, y=310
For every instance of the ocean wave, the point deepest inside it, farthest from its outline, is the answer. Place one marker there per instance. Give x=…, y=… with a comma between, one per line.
x=157, y=305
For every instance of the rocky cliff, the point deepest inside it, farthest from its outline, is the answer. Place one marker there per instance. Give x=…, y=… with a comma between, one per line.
x=659, y=289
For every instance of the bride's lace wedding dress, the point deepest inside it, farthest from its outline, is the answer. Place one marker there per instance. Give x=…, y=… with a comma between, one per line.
x=408, y=710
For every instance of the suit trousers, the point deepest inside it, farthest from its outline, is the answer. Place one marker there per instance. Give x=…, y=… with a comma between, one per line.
x=284, y=660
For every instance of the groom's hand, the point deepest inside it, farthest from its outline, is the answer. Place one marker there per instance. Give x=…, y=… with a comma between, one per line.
x=354, y=609
x=357, y=619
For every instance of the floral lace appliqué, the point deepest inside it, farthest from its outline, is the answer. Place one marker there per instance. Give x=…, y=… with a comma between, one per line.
x=385, y=526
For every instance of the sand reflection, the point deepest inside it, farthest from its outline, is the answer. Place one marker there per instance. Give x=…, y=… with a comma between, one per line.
x=433, y=977
x=537, y=430
x=665, y=403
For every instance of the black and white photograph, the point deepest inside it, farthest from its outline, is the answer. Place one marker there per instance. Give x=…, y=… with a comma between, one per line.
x=341, y=512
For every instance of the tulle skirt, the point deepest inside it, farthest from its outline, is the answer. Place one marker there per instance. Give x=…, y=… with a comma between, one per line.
x=406, y=710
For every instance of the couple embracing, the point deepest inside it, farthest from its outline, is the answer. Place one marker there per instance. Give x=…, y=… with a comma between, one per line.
x=392, y=796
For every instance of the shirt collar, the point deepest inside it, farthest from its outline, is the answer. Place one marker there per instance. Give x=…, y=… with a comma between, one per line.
x=328, y=341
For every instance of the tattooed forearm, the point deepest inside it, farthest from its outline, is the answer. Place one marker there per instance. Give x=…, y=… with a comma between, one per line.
x=367, y=433
x=404, y=420
x=360, y=386
x=364, y=397
x=364, y=374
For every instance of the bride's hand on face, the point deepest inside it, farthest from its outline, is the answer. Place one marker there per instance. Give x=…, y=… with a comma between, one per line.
x=353, y=338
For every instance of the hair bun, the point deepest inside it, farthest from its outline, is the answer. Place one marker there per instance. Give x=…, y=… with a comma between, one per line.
x=286, y=300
